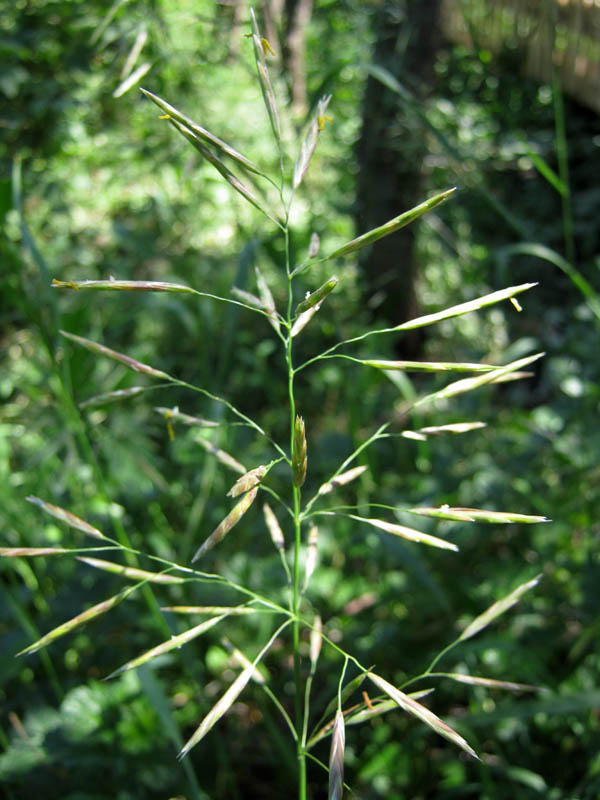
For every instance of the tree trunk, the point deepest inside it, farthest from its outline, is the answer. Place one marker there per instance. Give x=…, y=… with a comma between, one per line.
x=390, y=155
x=299, y=13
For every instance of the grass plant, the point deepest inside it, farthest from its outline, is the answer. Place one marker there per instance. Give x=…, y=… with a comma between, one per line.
x=295, y=492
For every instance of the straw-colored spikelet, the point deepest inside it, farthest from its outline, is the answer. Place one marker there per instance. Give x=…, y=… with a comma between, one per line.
x=336, y=758
x=421, y=712
x=247, y=481
x=227, y=524
x=310, y=141
x=274, y=527
x=100, y=349
x=67, y=517
x=314, y=246
x=303, y=319
x=316, y=640
x=311, y=553
x=299, y=457
x=267, y=300
x=340, y=480
x=264, y=77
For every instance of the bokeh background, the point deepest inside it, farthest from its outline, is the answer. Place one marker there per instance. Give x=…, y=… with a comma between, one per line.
x=497, y=98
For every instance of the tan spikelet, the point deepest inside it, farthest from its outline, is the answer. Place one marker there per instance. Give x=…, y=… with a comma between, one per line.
x=299, y=456
x=227, y=524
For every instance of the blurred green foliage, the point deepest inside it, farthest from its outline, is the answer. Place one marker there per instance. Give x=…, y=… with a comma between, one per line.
x=109, y=190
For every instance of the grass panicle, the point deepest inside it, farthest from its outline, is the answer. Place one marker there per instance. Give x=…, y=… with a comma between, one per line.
x=309, y=645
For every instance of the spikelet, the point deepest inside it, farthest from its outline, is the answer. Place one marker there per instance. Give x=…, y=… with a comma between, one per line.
x=313, y=247
x=247, y=481
x=266, y=298
x=340, y=480
x=336, y=758
x=227, y=524
x=316, y=640
x=299, y=457
x=310, y=141
x=318, y=295
x=274, y=527
x=311, y=553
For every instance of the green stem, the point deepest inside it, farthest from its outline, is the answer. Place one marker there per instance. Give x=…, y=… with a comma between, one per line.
x=295, y=599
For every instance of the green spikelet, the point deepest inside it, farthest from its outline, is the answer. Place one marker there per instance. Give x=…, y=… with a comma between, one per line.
x=299, y=458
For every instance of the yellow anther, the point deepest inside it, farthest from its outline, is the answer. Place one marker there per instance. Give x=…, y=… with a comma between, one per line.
x=322, y=119
x=267, y=47
x=165, y=116
x=64, y=284
x=168, y=415
x=516, y=303
x=170, y=430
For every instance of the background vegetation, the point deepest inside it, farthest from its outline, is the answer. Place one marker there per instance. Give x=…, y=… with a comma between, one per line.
x=91, y=185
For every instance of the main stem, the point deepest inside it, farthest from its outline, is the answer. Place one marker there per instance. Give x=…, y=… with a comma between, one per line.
x=297, y=542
